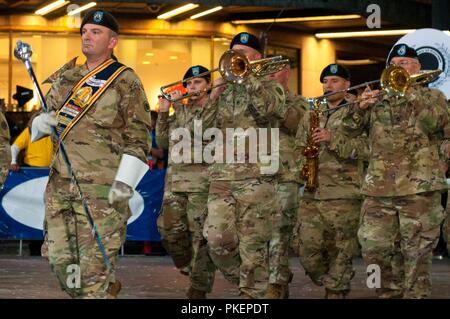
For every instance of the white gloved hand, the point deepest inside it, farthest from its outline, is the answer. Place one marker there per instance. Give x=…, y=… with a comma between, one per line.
x=119, y=192
x=42, y=124
x=130, y=172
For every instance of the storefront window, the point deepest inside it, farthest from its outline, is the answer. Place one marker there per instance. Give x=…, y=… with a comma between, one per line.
x=159, y=62
x=50, y=52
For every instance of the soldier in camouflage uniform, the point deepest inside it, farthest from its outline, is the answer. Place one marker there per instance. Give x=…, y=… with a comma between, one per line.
x=242, y=197
x=446, y=228
x=446, y=224
x=184, y=208
x=107, y=149
x=5, y=148
x=328, y=218
x=287, y=189
x=402, y=213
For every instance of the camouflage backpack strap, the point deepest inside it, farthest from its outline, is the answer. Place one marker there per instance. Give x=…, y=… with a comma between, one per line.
x=85, y=93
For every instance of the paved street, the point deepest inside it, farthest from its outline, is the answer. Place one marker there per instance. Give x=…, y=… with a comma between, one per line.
x=156, y=277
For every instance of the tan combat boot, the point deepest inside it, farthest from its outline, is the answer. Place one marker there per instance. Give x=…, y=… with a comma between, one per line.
x=275, y=291
x=389, y=293
x=335, y=294
x=114, y=289
x=185, y=270
x=193, y=293
x=285, y=291
x=286, y=286
x=244, y=295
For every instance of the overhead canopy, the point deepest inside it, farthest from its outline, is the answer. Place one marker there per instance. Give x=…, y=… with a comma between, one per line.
x=396, y=14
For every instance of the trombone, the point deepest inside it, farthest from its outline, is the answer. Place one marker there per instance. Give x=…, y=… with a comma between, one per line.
x=394, y=81
x=234, y=67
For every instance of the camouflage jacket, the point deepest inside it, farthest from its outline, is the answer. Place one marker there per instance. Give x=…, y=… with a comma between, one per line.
x=408, y=138
x=118, y=123
x=296, y=107
x=243, y=109
x=186, y=176
x=5, y=148
x=341, y=165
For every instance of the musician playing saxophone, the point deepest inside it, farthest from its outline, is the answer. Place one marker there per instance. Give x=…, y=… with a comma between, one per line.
x=325, y=234
x=401, y=215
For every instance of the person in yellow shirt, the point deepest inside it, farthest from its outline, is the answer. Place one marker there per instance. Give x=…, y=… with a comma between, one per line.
x=37, y=154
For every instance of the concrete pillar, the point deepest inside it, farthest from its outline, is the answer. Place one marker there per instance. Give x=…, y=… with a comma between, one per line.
x=315, y=55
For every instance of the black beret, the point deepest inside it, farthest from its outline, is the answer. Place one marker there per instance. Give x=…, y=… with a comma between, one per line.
x=247, y=39
x=335, y=70
x=196, y=70
x=402, y=50
x=100, y=17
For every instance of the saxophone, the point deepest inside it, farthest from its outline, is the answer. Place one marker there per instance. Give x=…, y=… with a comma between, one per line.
x=311, y=152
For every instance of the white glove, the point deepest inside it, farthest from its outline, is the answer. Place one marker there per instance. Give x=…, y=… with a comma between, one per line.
x=130, y=172
x=119, y=192
x=42, y=124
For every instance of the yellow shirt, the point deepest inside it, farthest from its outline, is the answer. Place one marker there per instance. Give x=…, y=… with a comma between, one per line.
x=38, y=153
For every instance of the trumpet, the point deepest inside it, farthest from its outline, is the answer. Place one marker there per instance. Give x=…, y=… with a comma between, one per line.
x=394, y=81
x=234, y=67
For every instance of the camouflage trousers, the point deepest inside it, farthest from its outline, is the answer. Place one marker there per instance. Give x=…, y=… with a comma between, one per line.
x=283, y=223
x=399, y=234
x=238, y=230
x=181, y=227
x=325, y=238
x=69, y=243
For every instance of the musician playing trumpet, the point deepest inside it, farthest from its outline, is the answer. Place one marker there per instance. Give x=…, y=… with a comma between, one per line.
x=184, y=210
x=325, y=234
x=401, y=215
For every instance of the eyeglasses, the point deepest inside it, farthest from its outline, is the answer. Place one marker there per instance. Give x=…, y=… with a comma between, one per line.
x=403, y=63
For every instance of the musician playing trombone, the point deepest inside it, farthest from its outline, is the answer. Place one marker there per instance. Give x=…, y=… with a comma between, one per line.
x=184, y=210
x=328, y=214
x=401, y=215
x=242, y=196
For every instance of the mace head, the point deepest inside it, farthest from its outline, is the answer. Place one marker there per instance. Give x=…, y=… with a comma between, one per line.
x=23, y=51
